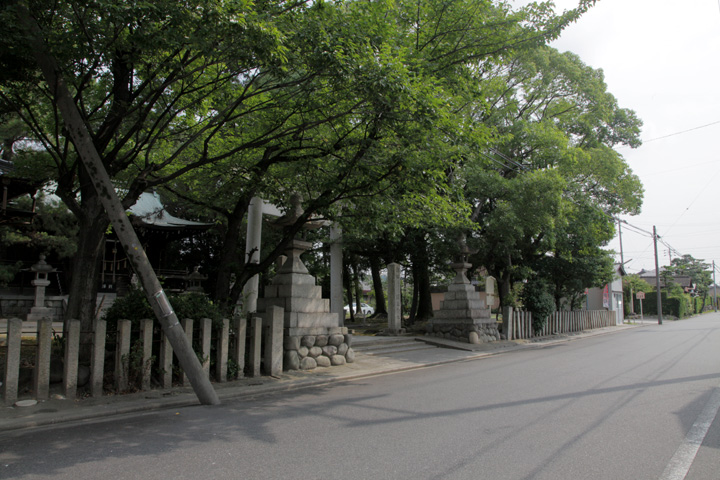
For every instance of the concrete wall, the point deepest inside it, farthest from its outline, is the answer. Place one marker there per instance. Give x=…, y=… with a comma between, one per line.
x=18, y=306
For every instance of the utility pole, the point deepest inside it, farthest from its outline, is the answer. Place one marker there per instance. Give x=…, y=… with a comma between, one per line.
x=91, y=160
x=714, y=288
x=622, y=258
x=657, y=278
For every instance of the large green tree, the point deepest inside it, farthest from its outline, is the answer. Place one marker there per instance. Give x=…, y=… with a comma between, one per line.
x=699, y=271
x=148, y=80
x=384, y=122
x=556, y=129
x=338, y=101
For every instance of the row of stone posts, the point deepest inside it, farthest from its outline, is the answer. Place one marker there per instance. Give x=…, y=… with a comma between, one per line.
x=266, y=339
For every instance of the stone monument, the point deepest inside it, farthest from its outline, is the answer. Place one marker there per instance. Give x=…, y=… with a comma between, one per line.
x=313, y=336
x=463, y=315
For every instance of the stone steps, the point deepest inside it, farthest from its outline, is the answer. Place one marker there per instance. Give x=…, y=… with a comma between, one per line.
x=389, y=346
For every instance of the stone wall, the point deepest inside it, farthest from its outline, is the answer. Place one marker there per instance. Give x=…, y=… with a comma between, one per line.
x=305, y=352
x=19, y=306
x=467, y=333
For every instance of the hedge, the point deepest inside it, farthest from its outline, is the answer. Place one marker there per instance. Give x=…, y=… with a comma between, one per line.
x=679, y=307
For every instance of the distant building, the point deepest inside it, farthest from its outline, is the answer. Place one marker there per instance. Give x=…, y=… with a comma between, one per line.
x=609, y=297
x=683, y=280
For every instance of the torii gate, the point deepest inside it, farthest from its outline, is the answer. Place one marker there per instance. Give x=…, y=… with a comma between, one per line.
x=258, y=207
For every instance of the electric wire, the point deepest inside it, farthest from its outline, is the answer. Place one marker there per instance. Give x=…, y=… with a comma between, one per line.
x=684, y=131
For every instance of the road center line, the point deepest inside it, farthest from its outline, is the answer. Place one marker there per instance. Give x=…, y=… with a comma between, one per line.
x=681, y=462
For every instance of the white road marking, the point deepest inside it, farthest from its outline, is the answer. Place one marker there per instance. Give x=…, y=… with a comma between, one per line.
x=681, y=462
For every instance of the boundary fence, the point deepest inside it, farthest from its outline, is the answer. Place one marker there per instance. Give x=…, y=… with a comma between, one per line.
x=134, y=359
x=561, y=322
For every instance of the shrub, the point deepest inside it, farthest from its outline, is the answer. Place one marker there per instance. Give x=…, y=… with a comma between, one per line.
x=135, y=307
x=538, y=301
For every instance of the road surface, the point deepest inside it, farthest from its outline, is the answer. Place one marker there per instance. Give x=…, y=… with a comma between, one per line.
x=638, y=404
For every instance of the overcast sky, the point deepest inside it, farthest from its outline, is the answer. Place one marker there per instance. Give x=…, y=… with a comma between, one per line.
x=661, y=58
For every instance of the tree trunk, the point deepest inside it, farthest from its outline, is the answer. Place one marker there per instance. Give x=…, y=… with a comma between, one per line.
x=358, y=290
x=229, y=261
x=86, y=267
x=504, y=290
x=413, y=301
x=380, y=305
x=421, y=280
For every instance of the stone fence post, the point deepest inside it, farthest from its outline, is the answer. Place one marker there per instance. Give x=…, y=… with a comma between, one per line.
x=507, y=322
x=394, y=310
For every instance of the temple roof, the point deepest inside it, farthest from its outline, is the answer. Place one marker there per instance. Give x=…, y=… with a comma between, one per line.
x=151, y=213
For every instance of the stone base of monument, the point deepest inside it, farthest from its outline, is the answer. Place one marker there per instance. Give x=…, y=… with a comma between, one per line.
x=466, y=333
x=312, y=334
x=311, y=348
x=463, y=315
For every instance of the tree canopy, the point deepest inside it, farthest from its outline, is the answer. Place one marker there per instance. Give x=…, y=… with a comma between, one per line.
x=405, y=122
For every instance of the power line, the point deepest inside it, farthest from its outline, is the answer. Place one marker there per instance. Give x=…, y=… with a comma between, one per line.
x=684, y=131
x=702, y=190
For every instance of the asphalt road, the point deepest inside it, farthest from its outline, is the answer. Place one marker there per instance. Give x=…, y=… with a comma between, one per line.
x=638, y=404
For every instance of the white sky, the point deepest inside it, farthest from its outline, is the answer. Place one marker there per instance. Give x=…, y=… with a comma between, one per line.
x=661, y=58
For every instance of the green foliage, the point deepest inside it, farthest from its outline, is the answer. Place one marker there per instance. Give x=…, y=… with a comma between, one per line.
x=52, y=231
x=631, y=285
x=672, y=306
x=134, y=367
x=554, y=120
x=699, y=271
x=135, y=307
x=8, y=272
x=379, y=106
x=538, y=300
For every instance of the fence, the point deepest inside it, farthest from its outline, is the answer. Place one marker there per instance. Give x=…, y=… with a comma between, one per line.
x=561, y=322
x=134, y=358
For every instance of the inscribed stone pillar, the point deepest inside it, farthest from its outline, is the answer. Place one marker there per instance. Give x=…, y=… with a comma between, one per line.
x=336, y=280
x=394, y=310
x=490, y=291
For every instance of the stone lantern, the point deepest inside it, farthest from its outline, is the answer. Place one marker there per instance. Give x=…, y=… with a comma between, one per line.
x=39, y=310
x=195, y=280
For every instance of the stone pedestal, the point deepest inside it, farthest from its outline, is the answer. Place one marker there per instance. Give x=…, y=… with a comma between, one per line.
x=463, y=315
x=312, y=333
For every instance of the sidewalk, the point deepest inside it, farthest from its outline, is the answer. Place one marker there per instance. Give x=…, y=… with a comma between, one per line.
x=58, y=410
